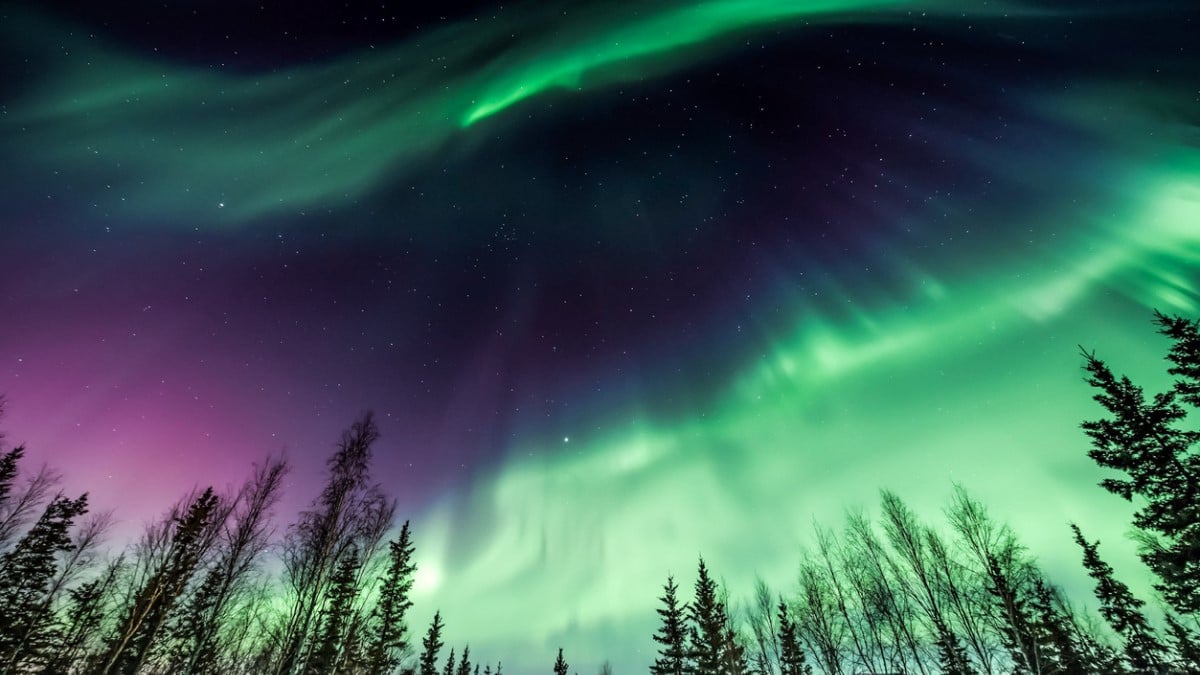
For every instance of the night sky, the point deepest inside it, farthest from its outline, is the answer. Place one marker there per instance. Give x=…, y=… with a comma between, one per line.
x=624, y=282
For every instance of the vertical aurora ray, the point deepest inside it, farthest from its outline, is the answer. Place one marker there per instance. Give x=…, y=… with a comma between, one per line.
x=977, y=383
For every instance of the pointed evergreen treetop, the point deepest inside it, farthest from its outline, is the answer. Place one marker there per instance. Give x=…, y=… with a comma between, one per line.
x=1154, y=445
x=560, y=665
x=432, y=645
x=672, y=633
x=1121, y=609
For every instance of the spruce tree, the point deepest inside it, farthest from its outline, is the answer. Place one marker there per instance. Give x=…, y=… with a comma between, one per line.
x=9, y=465
x=560, y=665
x=1121, y=609
x=197, y=630
x=706, y=625
x=1186, y=645
x=83, y=618
x=952, y=655
x=671, y=635
x=432, y=645
x=26, y=573
x=1052, y=628
x=185, y=632
x=464, y=663
x=345, y=513
x=448, y=669
x=388, y=633
x=714, y=649
x=142, y=620
x=1155, y=446
x=791, y=655
x=336, y=616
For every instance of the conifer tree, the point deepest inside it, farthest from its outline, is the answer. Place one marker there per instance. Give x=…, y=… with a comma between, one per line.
x=19, y=504
x=388, y=635
x=448, y=669
x=1186, y=645
x=707, y=625
x=952, y=655
x=84, y=615
x=348, y=508
x=671, y=635
x=791, y=655
x=560, y=665
x=26, y=573
x=714, y=649
x=9, y=465
x=733, y=654
x=1058, y=646
x=1155, y=445
x=188, y=629
x=243, y=539
x=464, y=663
x=336, y=616
x=432, y=646
x=1121, y=609
x=143, y=619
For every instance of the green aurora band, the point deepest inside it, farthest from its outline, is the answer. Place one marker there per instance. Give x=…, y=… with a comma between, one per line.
x=967, y=377
x=208, y=147
x=583, y=533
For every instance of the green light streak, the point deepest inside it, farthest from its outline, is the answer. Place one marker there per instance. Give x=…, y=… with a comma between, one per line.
x=148, y=142
x=977, y=381
x=628, y=42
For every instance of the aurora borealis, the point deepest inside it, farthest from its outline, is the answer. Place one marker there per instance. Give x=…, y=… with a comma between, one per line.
x=624, y=285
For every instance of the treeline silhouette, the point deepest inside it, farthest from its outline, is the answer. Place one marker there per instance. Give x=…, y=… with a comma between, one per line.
x=214, y=586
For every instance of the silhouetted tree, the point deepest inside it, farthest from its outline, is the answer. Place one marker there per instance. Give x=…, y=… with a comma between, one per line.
x=1121, y=609
x=560, y=665
x=26, y=575
x=907, y=538
x=166, y=579
x=791, y=654
x=707, y=625
x=671, y=635
x=1186, y=645
x=432, y=645
x=83, y=617
x=243, y=538
x=448, y=668
x=883, y=596
x=349, y=512
x=761, y=616
x=464, y=663
x=335, y=617
x=10, y=463
x=20, y=500
x=1052, y=630
x=388, y=635
x=965, y=607
x=1153, y=445
x=714, y=649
